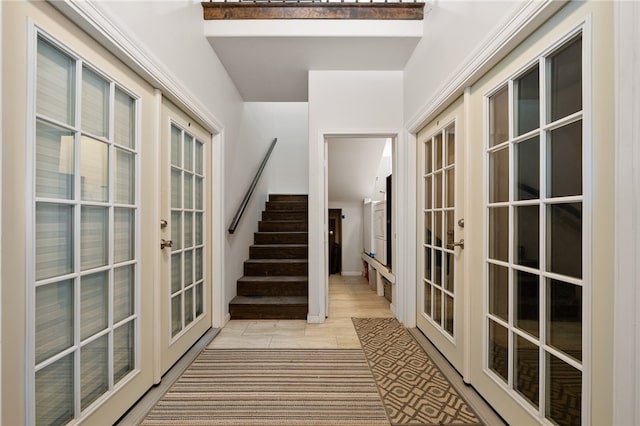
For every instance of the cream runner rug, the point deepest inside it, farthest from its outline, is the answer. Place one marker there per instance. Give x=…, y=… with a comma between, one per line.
x=273, y=387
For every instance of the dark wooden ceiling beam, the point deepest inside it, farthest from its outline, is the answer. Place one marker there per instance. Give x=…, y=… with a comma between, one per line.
x=305, y=10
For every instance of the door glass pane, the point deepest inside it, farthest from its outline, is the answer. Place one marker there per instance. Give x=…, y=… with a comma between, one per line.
x=565, y=161
x=527, y=241
x=94, y=170
x=95, y=103
x=427, y=299
x=188, y=152
x=438, y=222
x=437, y=270
x=176, y=272
x=499, y=291
x=564, y=317
x=188, y=267
x=199, y=230
x=499, y=233
x=199, y=193
x=527, y=108
x=527, y=302
x=428, y=157
x=199, y=157
x=199, y=299
x=124, y=233
x=124, y=119
x=450, y=183
x=54, y=393
x=564, y=239
x=188, y=229
x=176, y=146
x=54, y=240
x=498, y=350
x=94, y=376
x=176, y=189
x=176, y=230
x=527, y=163
x=449, y=228
x=188, y=191
x=437, y=151
x=176, y=314
x=428, y=201
x=437, y=305
x=188, y=307
x=55, y=87
x=499, y=176
x=449, y=272
x=448, y=314
x=123, y=292
x=199, y=264
x=54, y=162
x=564, y=392
x=566, y=80
x=526, y=369
x=125, y=178
x=94, y=237
x=499, y=117
x=450, y=135
x=438, y=190
x=428, y=228
x=54, y=319
x=427, y=264
x=123, y=350
x=94, y=304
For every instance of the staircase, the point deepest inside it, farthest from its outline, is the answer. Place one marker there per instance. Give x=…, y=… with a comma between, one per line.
x=275, y=281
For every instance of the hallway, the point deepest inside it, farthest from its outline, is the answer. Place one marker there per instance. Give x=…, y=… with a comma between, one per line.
x=349, y=297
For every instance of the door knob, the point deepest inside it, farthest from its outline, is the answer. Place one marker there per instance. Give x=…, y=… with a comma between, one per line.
x=165, y=243
x=456, y=244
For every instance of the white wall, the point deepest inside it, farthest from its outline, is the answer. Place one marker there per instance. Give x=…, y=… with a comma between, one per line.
x=453, y=30
x=351, y=236
x=384, y=169
x=349, y=103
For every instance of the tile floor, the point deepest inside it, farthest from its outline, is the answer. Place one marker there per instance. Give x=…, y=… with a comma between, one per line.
x=348, y=297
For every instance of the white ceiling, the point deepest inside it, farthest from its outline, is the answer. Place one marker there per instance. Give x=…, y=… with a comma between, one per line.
x=269, y=60
x=353, y=164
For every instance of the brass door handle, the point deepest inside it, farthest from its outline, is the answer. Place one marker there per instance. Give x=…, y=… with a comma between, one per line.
x=456, y=244
x=165, y=243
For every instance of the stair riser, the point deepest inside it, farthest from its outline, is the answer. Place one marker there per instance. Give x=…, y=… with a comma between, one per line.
x=288, y=197
x=268, y=312
x=282, y=226
x=281, y=238
x=272, y=289
x=275, y=269
x=260, y=252
x=286, y=205
x=284, y=215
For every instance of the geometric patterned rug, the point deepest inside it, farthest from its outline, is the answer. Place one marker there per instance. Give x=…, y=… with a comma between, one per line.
x=330, y=387
x=413, y=389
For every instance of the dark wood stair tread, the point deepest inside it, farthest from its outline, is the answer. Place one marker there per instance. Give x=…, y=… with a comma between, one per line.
x=276, y=278
x=270, y=300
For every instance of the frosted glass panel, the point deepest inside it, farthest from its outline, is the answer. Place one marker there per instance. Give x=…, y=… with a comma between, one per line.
x=188, y=267
x=94, y=170
x=199, y=299
x=176, y=189
x=95, y=103
x=199, y=264
x=188, y=152
x=188, y=191
x=188, y=307
x=176, y=314
x=124, y=234
x=123, y=292
x=176, y=230
x=199, y=230
x=56, y=76
x=54, y=162
x=176, y=146
x=54, y=319
x=199, y=157
x=93, y=237
x=94, y=375
x=54, y=240
x=176, y=272
x=188, y=229
x=123, y=350
x=94, y=303
x=199, y=193
x=125, y=119
x=125, y=178
x=54, y=393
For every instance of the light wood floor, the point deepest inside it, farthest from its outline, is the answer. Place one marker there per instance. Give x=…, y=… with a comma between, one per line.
x=348, y=297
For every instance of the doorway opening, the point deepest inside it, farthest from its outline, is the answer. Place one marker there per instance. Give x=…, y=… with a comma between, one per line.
x=335, y=241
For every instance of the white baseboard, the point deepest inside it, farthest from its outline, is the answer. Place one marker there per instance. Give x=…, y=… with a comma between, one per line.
x=351, y=273
x=315, y=319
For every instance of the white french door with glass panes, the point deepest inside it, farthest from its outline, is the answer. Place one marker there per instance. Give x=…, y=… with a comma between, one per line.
x=186, y=279
x=84, y=335
x=440, y=305
x=535, y=264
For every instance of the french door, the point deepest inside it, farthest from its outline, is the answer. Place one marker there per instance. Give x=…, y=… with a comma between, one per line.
x=440, y=304
x=185, y=312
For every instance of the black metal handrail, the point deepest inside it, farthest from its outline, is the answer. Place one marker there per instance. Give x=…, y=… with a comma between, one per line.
x=252, y=187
